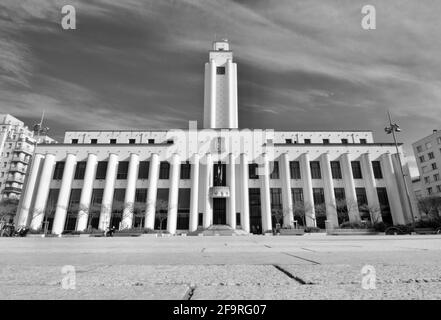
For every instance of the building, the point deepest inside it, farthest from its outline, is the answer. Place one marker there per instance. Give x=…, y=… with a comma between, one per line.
x=185, y=180
x=17, y=144
x=428, y=157
x=417, y=188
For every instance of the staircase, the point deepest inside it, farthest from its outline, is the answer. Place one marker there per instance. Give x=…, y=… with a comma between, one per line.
x=218, y=230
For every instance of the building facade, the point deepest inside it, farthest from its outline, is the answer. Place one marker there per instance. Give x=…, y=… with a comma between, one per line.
x=185, y=180
x=428, y=157
x=17, y=144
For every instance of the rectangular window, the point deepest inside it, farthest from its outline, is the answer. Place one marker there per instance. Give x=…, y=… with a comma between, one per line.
x=361, y=196
x=151, y=141
x=74, y=201
x=438, y=140
x=252, y=171
x=297, y=195
x=185, y=170
x=318, y=195
x=384, y=205
x=419, y=149
x=429, y=191
x=143, y=172
x=376, y=167
x=434, y=167
x=164, y=170
x=356, y=170
x=436, y=177
x=183, y=209
x=344, y=141
x=275, y=170
x=315, y=170
x=426, y=180
x=339, y=194
x=421, y=158
x=132, y=141
x=220, y=70
x=294, y=169
x=325, y=141
x=80, y=170
x=93, y=141
x=74, y=141
x=307, y=141
x=363, y=141
x=428, y=145
x=123, y=169
x=336, y=170
x=58, y=172
x=141, y=196
x=118, y=204
x=97, y=199
x=101, y=170
x=431, y=155
x=288, y=141
x=276, y=198
x=112, y=141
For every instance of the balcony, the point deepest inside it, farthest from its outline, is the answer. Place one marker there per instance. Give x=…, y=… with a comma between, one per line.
x=219, y=192
x=12, y=189
x=20, y=159
x=17, y=169
x=25, y=149
x=15, y=179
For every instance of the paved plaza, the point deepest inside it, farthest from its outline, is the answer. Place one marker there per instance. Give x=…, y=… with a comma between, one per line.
x=240, y=267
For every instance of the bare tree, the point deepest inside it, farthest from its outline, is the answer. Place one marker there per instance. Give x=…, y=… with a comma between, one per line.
x=161, y=211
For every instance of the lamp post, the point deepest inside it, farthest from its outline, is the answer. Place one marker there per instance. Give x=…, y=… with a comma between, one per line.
x=391, y=129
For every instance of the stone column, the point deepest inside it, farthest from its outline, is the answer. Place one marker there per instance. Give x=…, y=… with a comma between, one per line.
x=351, y=196
x=231, y=170
x=194, y=194
x=213, y=91
x=43, y=191
x=328, y=184
x=129, y=200
x=173, y=195
x=86, y=192
x=109, y=188
x=63, y=196
x=308, y=198
x=288, y=210
x=152, y=192
x=392, y=189
x=264, y=176
x=31, y=184
x=208, y=209
x=245, y=206
x=371, y=188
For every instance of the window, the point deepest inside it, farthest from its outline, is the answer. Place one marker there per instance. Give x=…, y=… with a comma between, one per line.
x=307, y=141
x=220, y=70
x=185, y=170
x=436, y=177
x=80, y=170
x=288, y=141
x=426, y=180
x=434, y=166
x=123, y=168
x=419, y=149
x=315, y=170
x=183, y=218
x=376, y=167
x=276, y=198
x=275, y=170
x=431, y=155
x=170, y=141
x=336, y=170
x=344, y=141
x=151, y=141
x=143, y=172
x=58, y=172
x=438, y=188
x=356, y=170
x=438, y=140
x=361, y=196
x=294, y=169
x=297, y=195
x=164, y=170
x=384, y=205
x=93, y=141
x=252, y=171
x=318, y=195
x=132, y=141
x=325, y=141
x=429, y=191
x=428, y=145
x=112, y=141
x=363, y=141
x=74, y=141
x=339, y=194
x=101, y=170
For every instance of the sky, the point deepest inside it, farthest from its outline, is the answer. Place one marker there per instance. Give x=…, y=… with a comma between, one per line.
x=302, y=64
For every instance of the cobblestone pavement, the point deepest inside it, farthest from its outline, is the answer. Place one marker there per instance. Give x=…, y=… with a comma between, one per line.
x=248, y=267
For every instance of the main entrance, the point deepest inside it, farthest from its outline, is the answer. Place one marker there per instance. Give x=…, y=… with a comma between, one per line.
x=219, y=211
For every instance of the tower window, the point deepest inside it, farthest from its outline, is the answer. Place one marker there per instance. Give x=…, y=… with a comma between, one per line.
x=220, y=70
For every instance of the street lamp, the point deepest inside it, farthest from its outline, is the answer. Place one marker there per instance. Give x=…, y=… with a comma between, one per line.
x=391, y=129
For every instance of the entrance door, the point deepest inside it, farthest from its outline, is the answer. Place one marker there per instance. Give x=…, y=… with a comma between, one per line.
x=219, y=211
